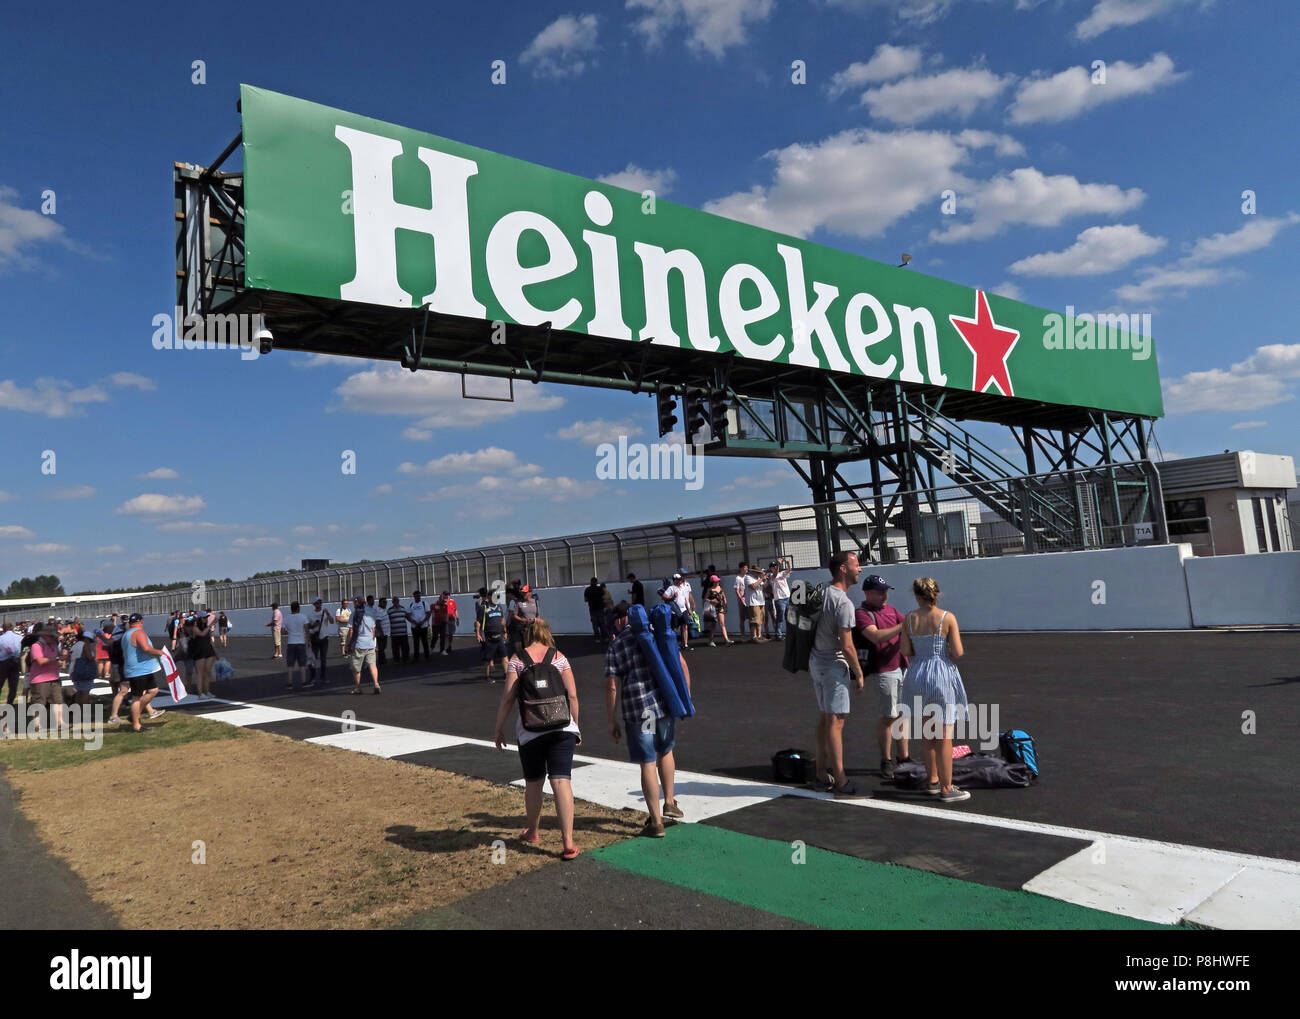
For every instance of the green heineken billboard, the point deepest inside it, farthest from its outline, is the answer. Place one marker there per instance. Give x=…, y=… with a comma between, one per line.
x=345, y=207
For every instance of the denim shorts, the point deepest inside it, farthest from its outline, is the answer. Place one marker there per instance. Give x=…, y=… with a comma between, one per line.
x=830, y=684
x=644, y=747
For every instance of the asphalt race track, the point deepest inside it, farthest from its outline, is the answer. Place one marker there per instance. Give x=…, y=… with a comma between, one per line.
x=1138, y=734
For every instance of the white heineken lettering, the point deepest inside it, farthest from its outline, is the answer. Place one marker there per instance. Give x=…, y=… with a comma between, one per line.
x=745, y=294
x=809, y=323
x=656, y=264
x=377, y=216
x=736, y=318
x=608, y=317
x=508, y=277
x=858, y=341
x=908, y=320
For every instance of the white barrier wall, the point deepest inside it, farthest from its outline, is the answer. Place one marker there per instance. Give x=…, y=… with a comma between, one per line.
x=1244, y=590
x=1157, y=587
x=1109, y=589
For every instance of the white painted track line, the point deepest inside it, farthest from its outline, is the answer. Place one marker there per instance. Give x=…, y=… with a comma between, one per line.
x=1161, y=882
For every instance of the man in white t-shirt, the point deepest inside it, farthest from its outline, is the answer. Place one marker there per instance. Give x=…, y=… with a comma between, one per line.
x=739, y=586
x=320, y=628
x=780, y=574
x=755, y=602
x=683, y=601
x=295, y=639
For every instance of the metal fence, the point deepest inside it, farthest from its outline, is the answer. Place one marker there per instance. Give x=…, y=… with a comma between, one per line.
x=1104, y=507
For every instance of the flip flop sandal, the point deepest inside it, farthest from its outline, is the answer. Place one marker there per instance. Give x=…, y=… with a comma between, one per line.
x=523, y=837
x=570, y=854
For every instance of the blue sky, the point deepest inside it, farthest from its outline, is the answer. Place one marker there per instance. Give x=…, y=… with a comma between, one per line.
x=1124, y=196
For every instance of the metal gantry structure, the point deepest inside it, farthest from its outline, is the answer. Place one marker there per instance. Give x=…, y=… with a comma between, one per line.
x=1086, y=478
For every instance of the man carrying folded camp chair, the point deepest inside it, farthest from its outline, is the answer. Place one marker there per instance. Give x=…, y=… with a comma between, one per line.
x=647, y=718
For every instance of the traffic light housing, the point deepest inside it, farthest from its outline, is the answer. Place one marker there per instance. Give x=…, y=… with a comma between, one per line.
x=665, y=405
x=719, y=414
x=696, y=415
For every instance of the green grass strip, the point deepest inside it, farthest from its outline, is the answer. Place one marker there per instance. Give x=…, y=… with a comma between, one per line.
x=173, y=729
x=842, y=892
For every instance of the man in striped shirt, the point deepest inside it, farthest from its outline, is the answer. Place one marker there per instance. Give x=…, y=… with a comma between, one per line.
x=398, y=632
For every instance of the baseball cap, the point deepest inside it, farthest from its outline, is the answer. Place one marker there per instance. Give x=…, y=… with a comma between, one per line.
x=526, y=589
x=135, y=617
x=875, y=582
x=677, y=576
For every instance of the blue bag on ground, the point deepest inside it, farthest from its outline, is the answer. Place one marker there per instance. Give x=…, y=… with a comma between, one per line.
x=1017, y=746
x=658, y=645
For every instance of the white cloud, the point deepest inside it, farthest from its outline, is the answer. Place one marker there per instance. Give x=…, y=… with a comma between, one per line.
x=15, y=531
x=481, y=461
x=886, y=63
x=712, y=25
x=255, y=542
x=383, y=490
x=417, y=434
x=368, y=528
x=533, y=489
x=634, y=178
x=110, y=550
x=1007, y=289
x=1249, y=424
x=1196, y=269
x=1097, y=250
x=599, y=430
x=1261, y=380
x=560, y=49
x=1161, y=281
x=1256, y=234
x=913, y=100
x=159, y=474
x=1072, y=91
x=48, y=548
x=202, y=527
x=1030, y=197
x=74, y=492
x=1108, y=14
x=752, y=482
x=22, y=230
x=303, y=529
x=52, y=398
x=154, y=504
x=130, y=380
x=859, y=182
x=8, y=497
x=391, y=389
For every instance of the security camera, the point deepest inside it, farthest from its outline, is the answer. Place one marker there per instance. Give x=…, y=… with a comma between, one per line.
x=265, y=341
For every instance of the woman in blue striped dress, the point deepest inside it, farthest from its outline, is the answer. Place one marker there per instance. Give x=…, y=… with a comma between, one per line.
x=932, y=688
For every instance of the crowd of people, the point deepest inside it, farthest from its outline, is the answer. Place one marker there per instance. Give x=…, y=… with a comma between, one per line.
x=900, y=659
x=116, y=652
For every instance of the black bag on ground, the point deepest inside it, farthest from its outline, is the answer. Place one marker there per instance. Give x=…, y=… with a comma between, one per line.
x=793, y=765
x=543, y=703
x=974, y=771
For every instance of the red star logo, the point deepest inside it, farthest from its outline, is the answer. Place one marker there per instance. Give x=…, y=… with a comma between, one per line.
x=990, y=344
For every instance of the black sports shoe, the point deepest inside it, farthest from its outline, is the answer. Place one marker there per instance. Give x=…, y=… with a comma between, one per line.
x=887, y=770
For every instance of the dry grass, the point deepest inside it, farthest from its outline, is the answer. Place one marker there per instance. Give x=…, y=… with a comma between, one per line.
x=295, y=835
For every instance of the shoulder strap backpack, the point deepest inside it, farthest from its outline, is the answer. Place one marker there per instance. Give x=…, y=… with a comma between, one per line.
x=863, y=643
x=543, y=704
x=1017, y=746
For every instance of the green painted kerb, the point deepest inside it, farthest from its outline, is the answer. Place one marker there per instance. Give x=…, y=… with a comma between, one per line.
x=345, y=207
x=842, y=892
